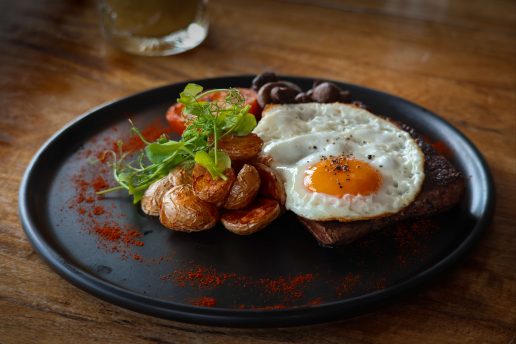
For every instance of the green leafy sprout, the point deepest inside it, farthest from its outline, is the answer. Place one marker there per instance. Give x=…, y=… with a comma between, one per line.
x=208, y=122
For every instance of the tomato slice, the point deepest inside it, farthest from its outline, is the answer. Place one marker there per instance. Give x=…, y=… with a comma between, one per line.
x=175, y=112
x=251, y=98
x=175, y=118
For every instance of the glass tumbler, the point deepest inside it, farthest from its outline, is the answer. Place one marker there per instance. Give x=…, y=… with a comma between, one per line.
x=154, y=27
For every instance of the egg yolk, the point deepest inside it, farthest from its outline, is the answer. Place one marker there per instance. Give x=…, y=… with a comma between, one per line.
x=342, y=176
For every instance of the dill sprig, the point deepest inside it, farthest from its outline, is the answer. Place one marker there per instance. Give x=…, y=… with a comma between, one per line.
x=208, y=121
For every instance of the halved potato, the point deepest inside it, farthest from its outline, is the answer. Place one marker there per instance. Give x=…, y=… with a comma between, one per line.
x=244, y=188
x=151, y=200
x=271, y=183
x=241, y=147
x=182, y=211
x=252, y=219
x=209, y=189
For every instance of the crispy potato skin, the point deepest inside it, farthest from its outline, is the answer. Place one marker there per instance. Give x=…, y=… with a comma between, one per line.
x=252, y=219
x=182, y=211
x=263, y=159
x=211, y=190
x=244, y=188
x=180, y=176
x=271, y=184
x=151, y=200
x=241, y=147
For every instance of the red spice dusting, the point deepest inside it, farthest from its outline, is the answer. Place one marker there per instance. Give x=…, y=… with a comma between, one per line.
x=102, y=156
x=347, y=284
x=286, y=286
x=94, y=215
x=113, y=237
x=113, y=233
x=151, y=133
x=204, y=301
x=315, y=302
x=82, y=184
x=130, y=238
x=98, y=210
x=99, y=183
x=200, y=277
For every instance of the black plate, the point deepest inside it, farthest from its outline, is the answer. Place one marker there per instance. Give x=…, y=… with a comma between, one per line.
x=277, y=277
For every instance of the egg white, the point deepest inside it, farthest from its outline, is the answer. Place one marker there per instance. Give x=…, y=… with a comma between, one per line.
x=296, y=136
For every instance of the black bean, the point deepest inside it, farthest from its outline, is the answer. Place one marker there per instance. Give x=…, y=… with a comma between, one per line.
x=291, y=85
x=283, y=95
x=316, y=83
x=262, y=79
x=326, y=92
x=264, y=93
x=303, y=98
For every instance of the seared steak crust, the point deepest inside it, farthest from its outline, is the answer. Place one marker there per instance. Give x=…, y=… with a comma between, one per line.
x=442, y=190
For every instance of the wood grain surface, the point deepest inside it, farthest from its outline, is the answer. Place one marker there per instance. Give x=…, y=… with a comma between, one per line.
x=457, y=58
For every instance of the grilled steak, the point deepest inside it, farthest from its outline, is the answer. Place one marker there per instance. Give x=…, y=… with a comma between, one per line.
x=442, y=189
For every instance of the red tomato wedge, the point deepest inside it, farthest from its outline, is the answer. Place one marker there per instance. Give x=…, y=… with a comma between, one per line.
x=177, y=122
x=175, y=119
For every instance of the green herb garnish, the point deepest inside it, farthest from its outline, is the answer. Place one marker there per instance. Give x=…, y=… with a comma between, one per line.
x=209, y=121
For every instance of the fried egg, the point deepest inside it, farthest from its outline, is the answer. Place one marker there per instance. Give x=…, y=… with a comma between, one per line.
x=340, y=162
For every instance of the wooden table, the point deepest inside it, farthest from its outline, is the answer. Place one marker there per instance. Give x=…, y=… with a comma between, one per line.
x=457, y=58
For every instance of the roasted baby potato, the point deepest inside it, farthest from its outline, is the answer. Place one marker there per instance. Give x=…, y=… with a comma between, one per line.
x=180, y=176
x=241, y=147
x=182, y=211
x=151, y=200
x=271, y=184
x=263, y=159
x=252, y=219
x=209, y=189
x=244, y=188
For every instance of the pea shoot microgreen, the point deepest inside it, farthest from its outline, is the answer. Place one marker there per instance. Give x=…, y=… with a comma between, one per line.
x=207, y=122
